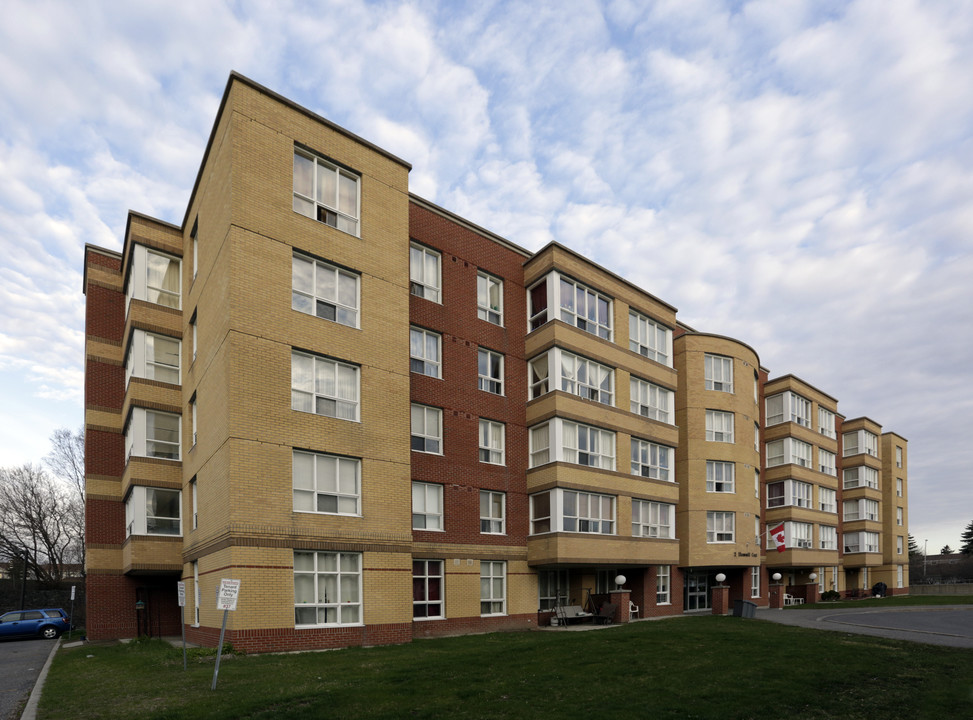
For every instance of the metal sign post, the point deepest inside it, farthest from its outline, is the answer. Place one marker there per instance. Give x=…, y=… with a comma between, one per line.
x=181, y=594
x=71, y=619
x=226, y=601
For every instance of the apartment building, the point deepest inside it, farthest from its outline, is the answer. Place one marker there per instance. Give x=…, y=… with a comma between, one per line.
x=388, y=422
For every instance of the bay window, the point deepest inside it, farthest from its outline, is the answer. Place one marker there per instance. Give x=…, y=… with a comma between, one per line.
x=859, y=441
x=151, y=433
x=153, y=357
x=572, y=511
x=788, y=407
x=857, y=542
x=789, y=451
x=153, y=511
x=576, y=305
x=789, y=492
x=861, y=476
x=576, y=375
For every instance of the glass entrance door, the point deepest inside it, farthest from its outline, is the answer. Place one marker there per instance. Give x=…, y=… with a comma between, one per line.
x=697, y=591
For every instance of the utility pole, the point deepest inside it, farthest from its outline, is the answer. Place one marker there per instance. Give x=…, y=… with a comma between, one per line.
x=925, y=557
x=23, y=583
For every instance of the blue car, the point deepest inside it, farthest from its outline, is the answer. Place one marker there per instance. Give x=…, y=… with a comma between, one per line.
x=48, y=623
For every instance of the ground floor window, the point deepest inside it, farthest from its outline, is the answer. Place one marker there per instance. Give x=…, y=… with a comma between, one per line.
x=427, y=589
x=899, y=576
x=662, y=585
x=755, y=582
x=327, y=588
x=493, y=587
x=552, y=589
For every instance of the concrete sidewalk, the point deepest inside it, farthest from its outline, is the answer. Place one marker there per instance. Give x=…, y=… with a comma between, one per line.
x=950, y=625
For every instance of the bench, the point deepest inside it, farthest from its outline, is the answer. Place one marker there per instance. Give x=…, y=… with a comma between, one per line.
x=567, y=614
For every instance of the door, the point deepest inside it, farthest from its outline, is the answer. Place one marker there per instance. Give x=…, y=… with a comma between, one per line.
x=697, y=591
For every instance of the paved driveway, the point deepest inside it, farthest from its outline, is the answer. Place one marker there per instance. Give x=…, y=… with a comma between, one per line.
x=932, y=624
x=20, y=664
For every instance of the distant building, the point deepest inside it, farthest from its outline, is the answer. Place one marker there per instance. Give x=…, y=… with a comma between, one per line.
x=388, y=422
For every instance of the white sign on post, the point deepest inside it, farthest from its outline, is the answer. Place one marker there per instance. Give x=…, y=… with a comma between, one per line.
x=72, y=592
x=229, y=592
x=181, y=593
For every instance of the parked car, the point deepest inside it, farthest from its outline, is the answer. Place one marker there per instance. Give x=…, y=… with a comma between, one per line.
x=46, y=623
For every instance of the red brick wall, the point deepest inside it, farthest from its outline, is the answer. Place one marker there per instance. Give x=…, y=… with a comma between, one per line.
x=104, y=385
x=104, y=453
x=104, y=521
x=104, y=313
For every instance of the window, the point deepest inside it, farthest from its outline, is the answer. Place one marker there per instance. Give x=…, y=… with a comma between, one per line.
x=427, y=506
x=651, y=460
x=324, y=290
x=153, y=511
x=861, y=542
x=861, y=476
x=586, y=445
x=788, y=407
x=491, y=442
x=718, y=372
x=898, y=487
x=490, y=371
x=862, y=509
x=552, y=589
x=899, y=576
x=153, y=357
x=193, y=418
x=662, y=575
x=788, y=451
x=827, y=501
x=649, y=400
x=540, y=444
x=324, y=387
x=579, y=306
x=493, y=587
x=325, y=192
x=826, y=462
x=755, y=581
x=577, y=375
x=789, y=492
x=327, y=588
x=427, y=589
x=826, y=423
x=572, y=511
x=151, y=433
x=860, y=441
x=719, y=527
x=193, y=328
x=425, y=351
x=898, y=516
x=155, y=278
x=898, y=456
x=649, y=338
x=326, y=483
x=756, y=484
x=492, y=512
x=719, y=476
x=899, y=544
x=489, y=298
x=756, y=437
x=829, y=537
x=719, y=426
x=652, y=519
x=800, y=535
x=424, y=273
x=195, y=503
x=195, y=593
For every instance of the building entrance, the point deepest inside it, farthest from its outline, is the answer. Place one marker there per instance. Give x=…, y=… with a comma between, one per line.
x=697, y=591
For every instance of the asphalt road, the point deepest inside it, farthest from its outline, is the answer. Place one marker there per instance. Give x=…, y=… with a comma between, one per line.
x=20, y=664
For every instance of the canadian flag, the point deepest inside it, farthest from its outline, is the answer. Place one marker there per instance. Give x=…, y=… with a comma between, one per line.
x=777, y=534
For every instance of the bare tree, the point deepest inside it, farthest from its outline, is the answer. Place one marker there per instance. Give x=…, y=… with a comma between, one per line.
x=66, y=461
x=39, y=522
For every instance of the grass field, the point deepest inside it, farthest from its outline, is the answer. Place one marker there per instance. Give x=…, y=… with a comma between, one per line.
x=683, y=667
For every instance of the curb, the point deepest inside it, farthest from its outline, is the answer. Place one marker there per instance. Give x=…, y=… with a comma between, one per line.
x=30, y=710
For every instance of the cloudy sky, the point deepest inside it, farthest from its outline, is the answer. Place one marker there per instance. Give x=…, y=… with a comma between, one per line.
x=798, y=175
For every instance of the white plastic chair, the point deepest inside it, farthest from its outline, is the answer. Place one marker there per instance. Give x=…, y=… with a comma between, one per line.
x=633, y=609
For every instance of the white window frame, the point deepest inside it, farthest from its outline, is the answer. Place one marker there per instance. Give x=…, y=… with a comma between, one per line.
x=194, y=332
x=425, y=273
x=552, y=589
x=826, y=423
x=490, y=372
x=321, y=290
x=332, y=210
x=718, y=372
x=561, y=293
x=194, y=496
x=138, y=443
x=899, y=576
x=576, y=375
x=899, y=487
x=142, y=518
x=857, y=442
x=572, y=511
x=434, y=609
x=326, y=479
x=486, y=308
x=860, y=509
x=899, y=516
x=720, y=527
x=346, y=603
x=649, y=338
x=650, y=400
x=426, y=427
x=827, y=462
x=651, y=519
x=788, y=406
x=800, y=535
x=796, y=494
x=827, y=500
x=860, y=476
x=148, y=358
x=717, y=480
x=427, y=506
x=898, y=456
x=196, y=593
x=492, y=442
x=899, y=544
x=663, y=585
x=493, y=512
x=789, y=451
x=652, y=460
x=719, y=426
x=425, y=352
x=828, y=537
x=493, y=588
x=860, y=541
x=193, y=416
x=194, y=241
x=155, y=277
x=311, y=394
x=755, y=581
x=587, y=445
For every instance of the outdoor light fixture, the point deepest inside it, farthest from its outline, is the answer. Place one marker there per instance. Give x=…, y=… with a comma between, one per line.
x=775, y=577
x=812, y=577
x=620, y=580
x=720, y=578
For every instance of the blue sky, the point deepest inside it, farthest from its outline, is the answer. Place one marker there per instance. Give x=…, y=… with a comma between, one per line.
x=797, y=175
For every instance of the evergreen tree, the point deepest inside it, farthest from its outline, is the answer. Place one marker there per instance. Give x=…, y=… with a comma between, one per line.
x=947, y=550
x=967, y=538
x=914, y=550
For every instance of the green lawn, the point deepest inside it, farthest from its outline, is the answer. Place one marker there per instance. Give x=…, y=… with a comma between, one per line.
x=684, y=667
